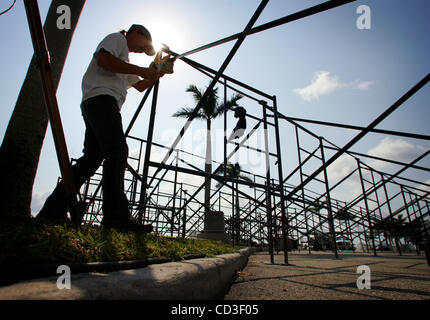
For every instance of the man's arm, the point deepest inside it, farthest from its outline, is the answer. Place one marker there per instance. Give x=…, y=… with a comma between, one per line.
x=113, y=64
x=142, y=85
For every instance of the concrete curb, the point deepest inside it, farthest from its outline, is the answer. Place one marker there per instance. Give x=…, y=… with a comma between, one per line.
x=201, y=279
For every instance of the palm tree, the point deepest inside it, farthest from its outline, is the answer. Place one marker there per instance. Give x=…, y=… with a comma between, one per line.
x=210, y=109
x=23, y=140
x=397, y=230
x=394, y=227
x=233, y=171
x=415, y=233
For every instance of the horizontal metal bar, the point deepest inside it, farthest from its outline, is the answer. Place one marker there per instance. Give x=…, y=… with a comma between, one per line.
x=204, y=174
x=223, y=83
x=381, y=159
x=275, y=23
x=252, y=148
x=229, y=79
x=352, y=127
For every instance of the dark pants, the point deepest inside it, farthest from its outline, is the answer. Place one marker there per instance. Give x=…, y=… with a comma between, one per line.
x=104, y=140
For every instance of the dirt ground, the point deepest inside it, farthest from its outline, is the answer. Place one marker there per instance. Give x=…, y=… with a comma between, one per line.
x=319, y=276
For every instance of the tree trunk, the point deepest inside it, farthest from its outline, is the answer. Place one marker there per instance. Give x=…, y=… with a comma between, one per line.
x=23, y=140
x=208, y=167
x=396, y=240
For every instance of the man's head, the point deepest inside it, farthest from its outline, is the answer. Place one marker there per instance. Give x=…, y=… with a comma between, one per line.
x=240, y=112
x=139, y=40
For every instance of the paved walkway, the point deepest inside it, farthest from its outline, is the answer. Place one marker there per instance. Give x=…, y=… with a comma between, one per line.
x=319, y=276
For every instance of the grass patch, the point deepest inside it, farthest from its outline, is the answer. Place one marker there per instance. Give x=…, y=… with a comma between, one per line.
x=35, y=243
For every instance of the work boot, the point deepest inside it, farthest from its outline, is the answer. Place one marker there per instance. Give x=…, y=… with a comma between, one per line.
x=121, y=219
x=55, y=208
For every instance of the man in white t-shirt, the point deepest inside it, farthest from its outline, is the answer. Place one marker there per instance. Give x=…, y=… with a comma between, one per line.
x=104, y=90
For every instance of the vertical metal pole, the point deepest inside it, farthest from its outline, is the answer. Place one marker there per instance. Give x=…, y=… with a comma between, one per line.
x=388, y=204
x=367, y=207
x=174, y=194
x=180, y=204
x=348, y=225
x=225, y=153
x=233, y=217
x=303, y=189
x=225, y=128
x=157, y=211
x=416, y=218
x=416, y=202
x=237, y=212
x=275, y=223
x=284, y=221
x=144, y=187
x=256, y=215
x=408, y=213
x=260, y=228
x=184, y=222
x=219, y=202
x=413, y=206
x=359, y=238
x=184, y=214
x=328, y=198
x=377, y=201
x=250, y=231
x=268, y=196
x=366, y=240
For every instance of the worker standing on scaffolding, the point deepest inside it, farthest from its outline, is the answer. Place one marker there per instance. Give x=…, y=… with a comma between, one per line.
x=104, y=88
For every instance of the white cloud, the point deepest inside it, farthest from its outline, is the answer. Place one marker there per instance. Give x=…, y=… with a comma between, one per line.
x=388, y=148
x=341, y=167
x=423, y=187
x=322, y=84
x=365, y=85
x=394, y=149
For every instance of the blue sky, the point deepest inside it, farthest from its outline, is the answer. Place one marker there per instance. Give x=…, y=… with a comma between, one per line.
x=321, y=67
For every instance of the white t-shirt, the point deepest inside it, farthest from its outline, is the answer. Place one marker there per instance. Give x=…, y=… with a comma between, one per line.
x=99, y=81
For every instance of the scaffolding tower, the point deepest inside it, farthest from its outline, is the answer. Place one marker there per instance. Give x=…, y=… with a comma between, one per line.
x=273, y=209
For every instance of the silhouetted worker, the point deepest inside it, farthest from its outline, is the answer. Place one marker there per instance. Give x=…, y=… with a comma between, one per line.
x=240, y=128
x=104, y=89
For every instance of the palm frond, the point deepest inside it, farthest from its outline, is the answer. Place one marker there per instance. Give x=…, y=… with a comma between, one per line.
x=186, y=112
x=197, y=94
x=232, y=102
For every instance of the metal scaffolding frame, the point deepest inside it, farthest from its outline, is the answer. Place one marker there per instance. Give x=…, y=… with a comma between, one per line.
x=277, y=212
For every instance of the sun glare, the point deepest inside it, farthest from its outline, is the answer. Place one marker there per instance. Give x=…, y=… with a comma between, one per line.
x=163, y=32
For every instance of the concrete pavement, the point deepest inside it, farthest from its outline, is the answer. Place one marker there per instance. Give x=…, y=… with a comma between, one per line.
x=319, y=276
